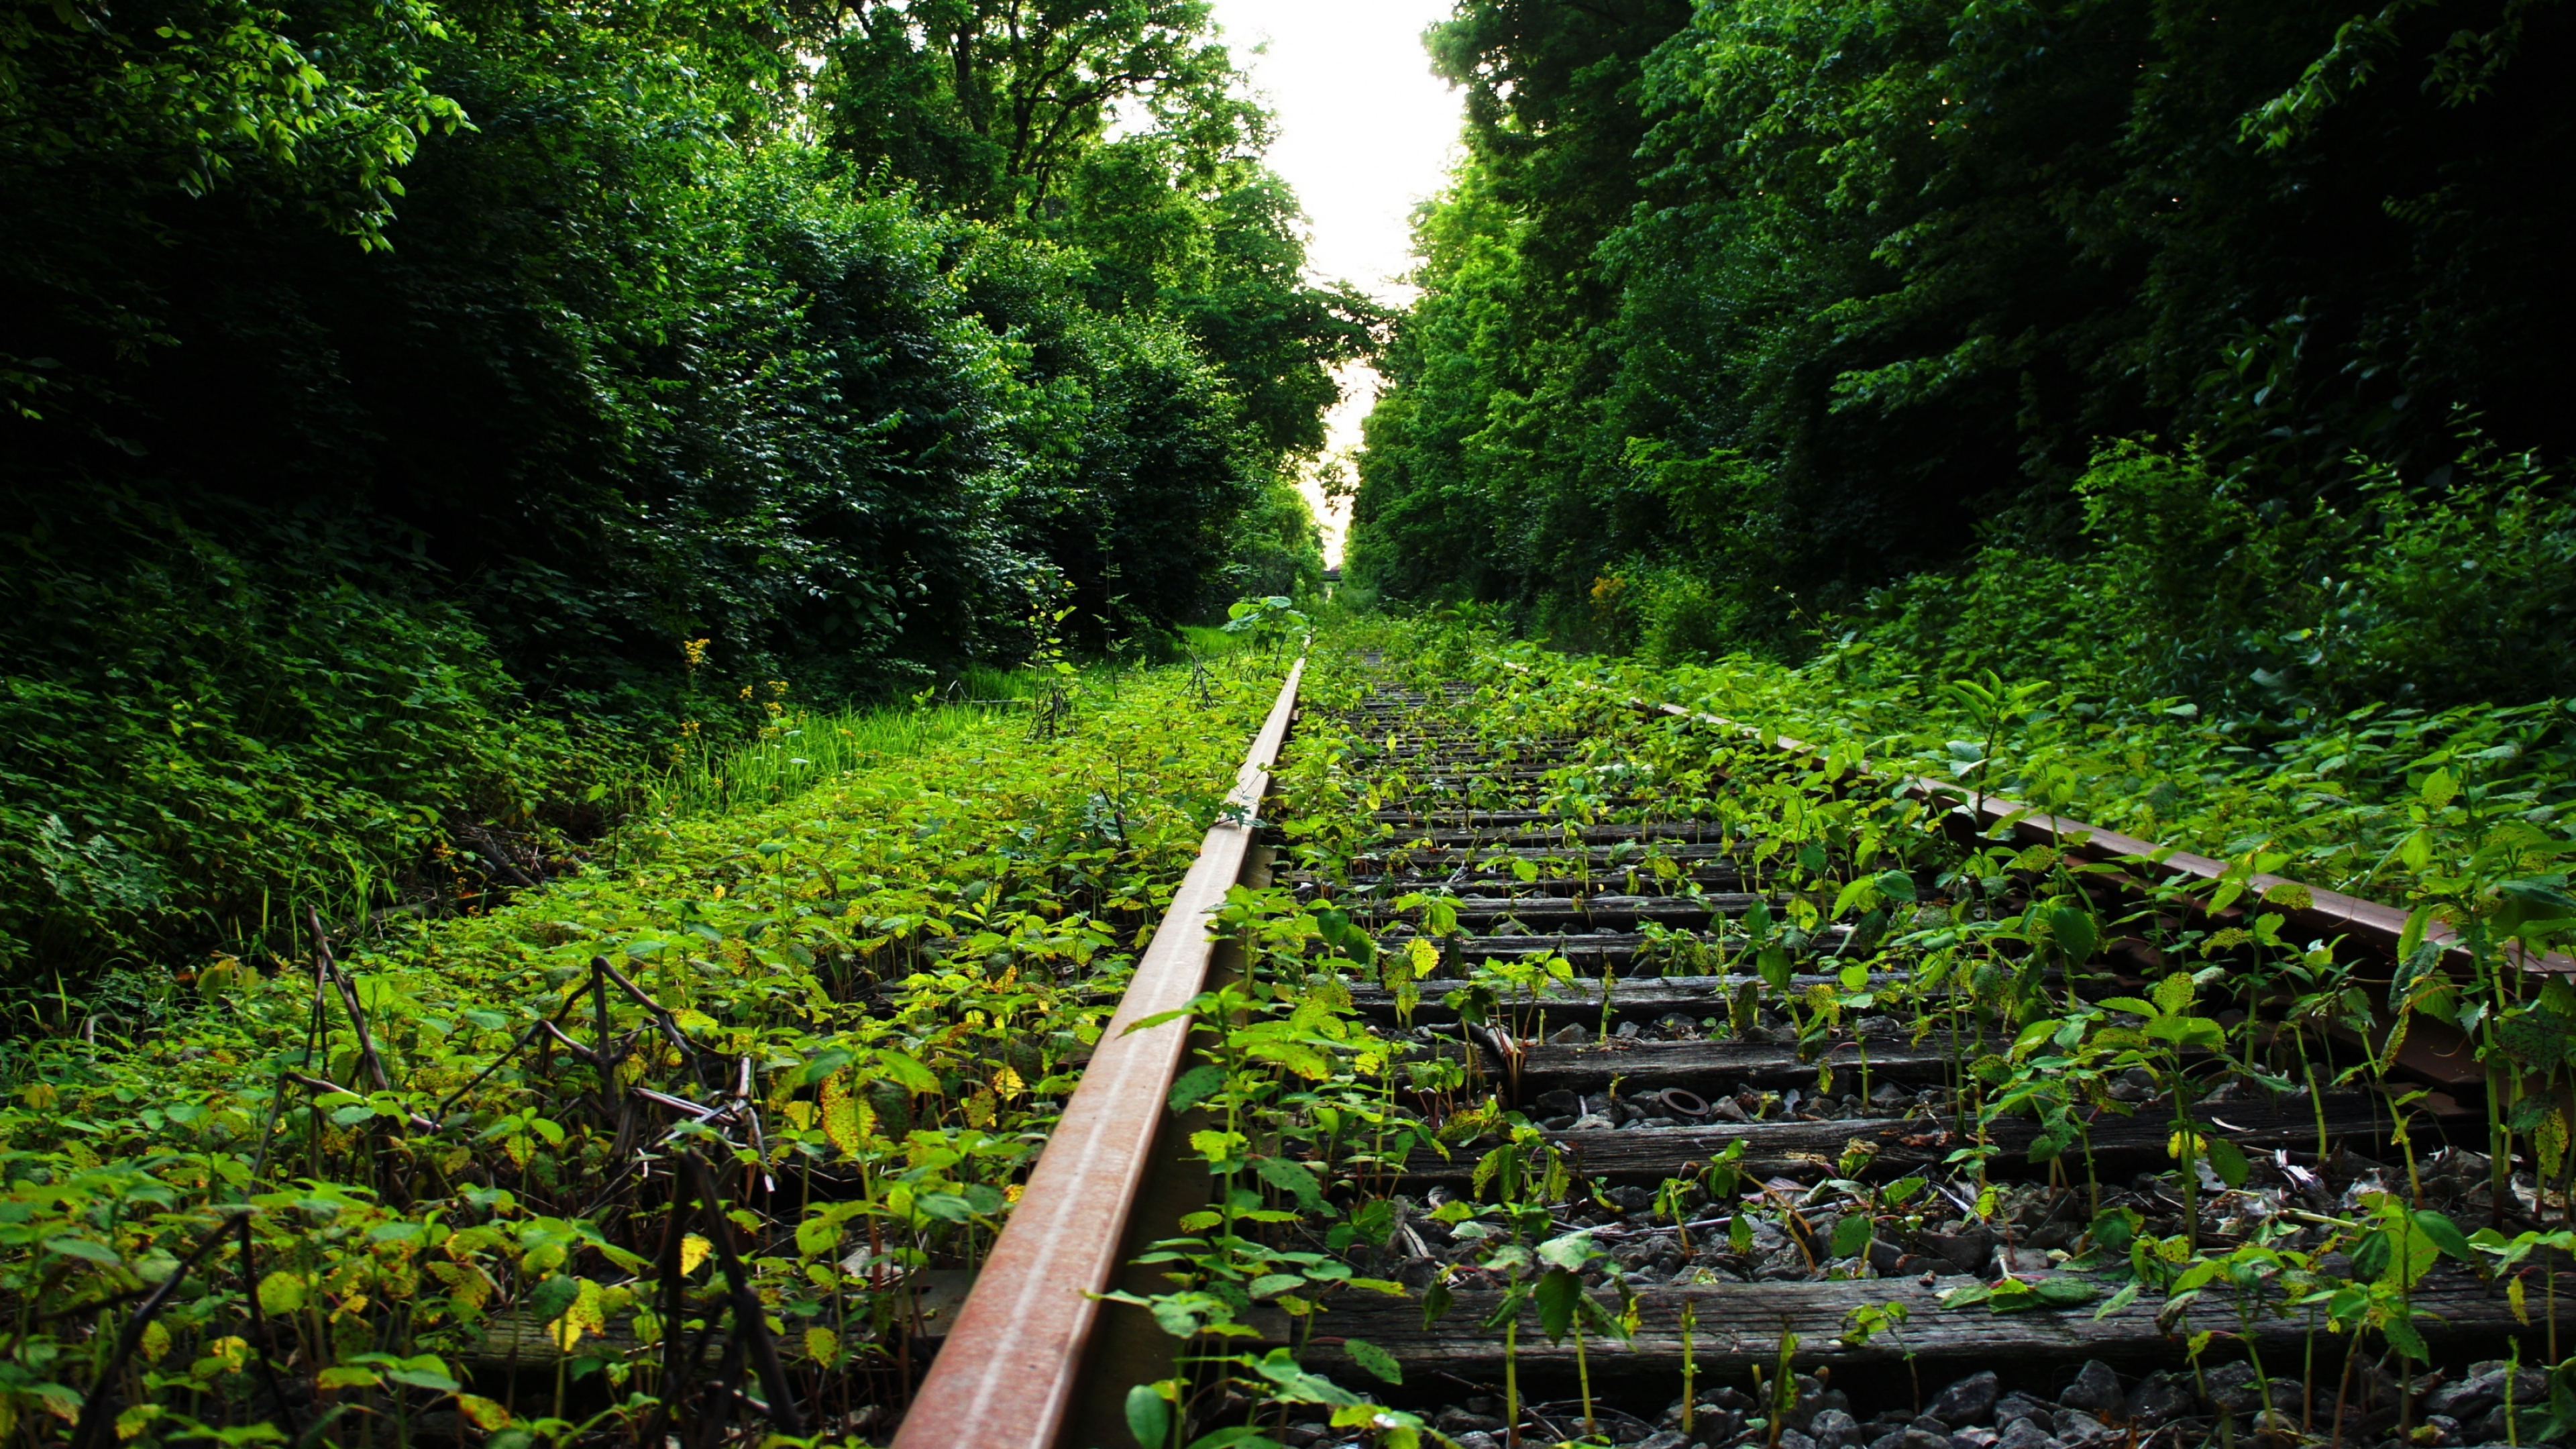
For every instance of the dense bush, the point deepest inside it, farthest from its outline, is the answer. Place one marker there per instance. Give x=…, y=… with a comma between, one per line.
x=194, y=740
x=2457, y=590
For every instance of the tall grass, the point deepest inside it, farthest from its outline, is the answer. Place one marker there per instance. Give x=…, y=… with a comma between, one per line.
x=810, y=747
x=807, y=749
x=1208, y=642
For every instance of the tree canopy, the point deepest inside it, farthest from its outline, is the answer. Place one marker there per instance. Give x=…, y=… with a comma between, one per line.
x=836, y=344
x=1781, y=301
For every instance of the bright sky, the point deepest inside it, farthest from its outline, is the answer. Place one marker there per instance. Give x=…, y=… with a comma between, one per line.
x=1365, y=132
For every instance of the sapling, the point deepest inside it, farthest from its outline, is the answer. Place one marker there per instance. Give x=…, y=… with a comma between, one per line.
x=2158, y=1045
x=1690, y=1332
x=1563, y=1305
x=1511, y=1260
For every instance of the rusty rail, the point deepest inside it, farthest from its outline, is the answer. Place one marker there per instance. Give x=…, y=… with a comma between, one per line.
x=1011, y=1368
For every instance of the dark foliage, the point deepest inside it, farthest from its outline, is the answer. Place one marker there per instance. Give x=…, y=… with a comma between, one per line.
x=574, y=353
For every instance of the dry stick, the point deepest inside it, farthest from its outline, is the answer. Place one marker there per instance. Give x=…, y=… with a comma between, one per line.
x=498, y=1063
x=259, y=1330
x=324, y=965
x=661, y=1017
x=490, y=850
x=711, y=1428
x=503, y=1060
x=95, y=1304
x=325, y=1084
x=750, y=1326
x=95, y=1410
x=675, y=1360
x=277, y=1099
x=601, y=1058
x=571, y=1044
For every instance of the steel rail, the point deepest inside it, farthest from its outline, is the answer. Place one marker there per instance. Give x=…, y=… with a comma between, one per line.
x=2379, y=925
x=1011, y=1368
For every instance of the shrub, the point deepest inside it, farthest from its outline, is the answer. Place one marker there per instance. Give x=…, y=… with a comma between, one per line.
x=193, y=739
x=2456, y=588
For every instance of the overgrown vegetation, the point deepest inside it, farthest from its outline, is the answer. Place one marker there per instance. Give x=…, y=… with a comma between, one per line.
x=496, y=1178
x=1878, y=925
x=489, y=1177
x=427, y=414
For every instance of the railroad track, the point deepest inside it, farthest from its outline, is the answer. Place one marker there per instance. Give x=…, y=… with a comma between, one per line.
x=1697, y=1005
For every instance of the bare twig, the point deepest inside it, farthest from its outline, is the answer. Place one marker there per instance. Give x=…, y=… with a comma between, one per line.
x=571, y=1044
x=662, y=1018
x=349, y=999
x=751, y=1328
x=325, y=1084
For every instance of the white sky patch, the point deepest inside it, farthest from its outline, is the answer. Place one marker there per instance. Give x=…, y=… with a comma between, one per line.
x=1366, y=133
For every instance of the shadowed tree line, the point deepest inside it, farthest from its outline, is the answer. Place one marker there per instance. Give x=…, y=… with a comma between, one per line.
x=1737, y=312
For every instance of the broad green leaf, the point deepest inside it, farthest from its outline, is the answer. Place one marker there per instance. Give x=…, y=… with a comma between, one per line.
x=1852, y=1235
x=1555, y=1294
x=2228, y=1161
x=2446, y=1235
x=1571, y=1251
x=2173, y=994
x=1376, y=1360
x=1197, y=1085
x=96, y=1252
x=2070, y=928
x=283, y=1292
x=1149, y=1418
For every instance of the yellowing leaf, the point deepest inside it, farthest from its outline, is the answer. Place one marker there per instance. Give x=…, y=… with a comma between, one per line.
x=346, y=1377
x=1424, y=956
x=1007, y=1083
x=485, y=1414
x=693, y=1251
x=841, y=1111
x=823, y=1346
x=156, y=1341
x=281, y=1292
x=586, y=1315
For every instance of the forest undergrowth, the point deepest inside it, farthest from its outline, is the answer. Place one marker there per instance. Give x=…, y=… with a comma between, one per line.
x=357, y=1196
x=2352, y=800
